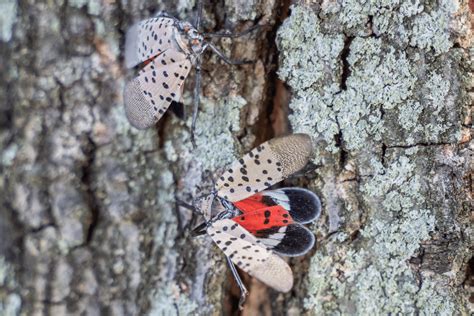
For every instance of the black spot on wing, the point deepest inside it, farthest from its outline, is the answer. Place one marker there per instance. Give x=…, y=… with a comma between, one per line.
x=267, y=200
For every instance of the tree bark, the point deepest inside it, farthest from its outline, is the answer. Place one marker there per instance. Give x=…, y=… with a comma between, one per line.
x=88, y=220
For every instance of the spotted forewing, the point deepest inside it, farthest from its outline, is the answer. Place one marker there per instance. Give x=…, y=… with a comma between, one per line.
x=265, y=165
x=149, y=38
x=249, y=254
x=160, y=82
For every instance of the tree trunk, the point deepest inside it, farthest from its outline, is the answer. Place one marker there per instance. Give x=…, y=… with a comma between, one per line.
x=88, y=221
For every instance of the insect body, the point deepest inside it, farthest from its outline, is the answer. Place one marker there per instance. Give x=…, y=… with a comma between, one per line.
x=166, y=49
x=253, y=226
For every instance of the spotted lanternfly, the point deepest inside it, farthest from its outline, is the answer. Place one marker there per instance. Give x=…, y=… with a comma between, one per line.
x=165, y=49
x=253, y=226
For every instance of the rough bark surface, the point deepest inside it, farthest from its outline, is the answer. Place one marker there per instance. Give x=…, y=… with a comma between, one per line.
x=88, y=221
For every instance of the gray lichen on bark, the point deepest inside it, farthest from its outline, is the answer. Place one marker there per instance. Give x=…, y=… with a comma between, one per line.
x=88, y=221
x=384, y=86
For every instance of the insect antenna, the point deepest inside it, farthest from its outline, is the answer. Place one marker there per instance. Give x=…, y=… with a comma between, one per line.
x=232, y=35
x=227, y=60
x=243, y=290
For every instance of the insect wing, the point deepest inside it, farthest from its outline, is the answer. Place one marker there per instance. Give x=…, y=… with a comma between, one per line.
x=251, y=255
x=290, y=240
x=148, y=96
x=275, y=228
x=303, y=205
x=252, y=203
x=264, y=218
x=148, y=38
x=264, y=166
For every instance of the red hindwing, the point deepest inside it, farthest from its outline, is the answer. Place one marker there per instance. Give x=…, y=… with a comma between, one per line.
x=251, y=204
x=263, y=218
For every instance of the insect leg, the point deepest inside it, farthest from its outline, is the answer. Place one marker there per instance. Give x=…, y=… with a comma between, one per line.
x=243, y=290
x=197, y=23
x=186, y=205
x=233, y=35
x=227, y=60
x=197, y=92
x=178, y=213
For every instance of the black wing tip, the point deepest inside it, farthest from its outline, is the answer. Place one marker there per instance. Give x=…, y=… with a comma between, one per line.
x=298, y=241
x=305, y=205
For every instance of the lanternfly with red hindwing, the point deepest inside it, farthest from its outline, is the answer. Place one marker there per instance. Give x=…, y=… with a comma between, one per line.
x=165, y=49
x=250, y=225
